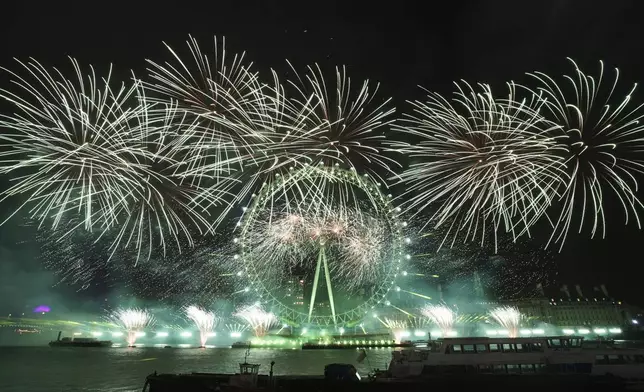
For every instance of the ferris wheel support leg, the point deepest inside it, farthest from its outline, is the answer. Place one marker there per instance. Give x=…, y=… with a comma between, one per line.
x=327, y=276
x=316, y=279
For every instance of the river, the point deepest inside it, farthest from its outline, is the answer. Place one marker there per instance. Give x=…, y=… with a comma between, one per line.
x=36, y=369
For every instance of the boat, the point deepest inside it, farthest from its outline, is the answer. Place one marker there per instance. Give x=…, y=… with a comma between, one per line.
x=240, y=345
x=341, y=346
x=557, y=355
x=79, y=342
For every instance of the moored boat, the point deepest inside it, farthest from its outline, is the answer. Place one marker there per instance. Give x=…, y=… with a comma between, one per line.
x=559, y=355
x=79, y=342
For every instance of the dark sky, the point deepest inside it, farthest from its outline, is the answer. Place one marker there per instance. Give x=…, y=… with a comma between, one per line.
x=398, y=43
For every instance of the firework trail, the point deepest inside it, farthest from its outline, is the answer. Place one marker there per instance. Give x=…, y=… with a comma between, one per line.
x=204, y=320
x=479, y=162
x=509, y=318
x=603, y=145
x=258, y=319
x=397, y=327
x=81, y=149
x=355, y=244
x=64, y=144
x=441, y=315
x=249, y=131
x=236, y=330
x=133, y=321
x=418, y=323
x=319, y=207
x=335, y=123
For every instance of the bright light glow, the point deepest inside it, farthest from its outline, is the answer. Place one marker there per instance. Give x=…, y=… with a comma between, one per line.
x=507, y=317
x=211, y=334
x=162, y=334
x=77, y=334
x=525, y=332
x=635, y=321
x=204, y=320
x=139, y=334
x=452, y=334
x=117, y=334
x=615, y=330
x=538, y=331
x=599, y=330
x=568, y=331
x=97, y=334
x=235, y=334
x=419, y=333
x=583, y=331
x=185, y=334
x=491, y=333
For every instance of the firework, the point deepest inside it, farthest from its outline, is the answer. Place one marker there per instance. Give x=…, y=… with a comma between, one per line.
x=417, y=323
x=204, y=320
x=479, y=162
x=236, y=330
x=258, y=319
x=133, y=321
x=354, y=243
x=64, y=144
x=78, y=149
x=602, y=143
x=397, y=327
x=509, y=318
x=441, y=315
x=333, y=122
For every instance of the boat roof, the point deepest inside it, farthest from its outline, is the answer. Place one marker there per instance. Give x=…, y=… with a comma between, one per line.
x=505, y=339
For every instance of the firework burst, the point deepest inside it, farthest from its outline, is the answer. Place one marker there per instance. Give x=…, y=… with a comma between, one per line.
x=603, y=145
x=333, y=122
x=479, y=162
x=397, y=327
x=509, y=318
x=442, y=316
x=258, y=319
x=83, y=149
x=64, y=144
x=133, y=321
x=204, y=321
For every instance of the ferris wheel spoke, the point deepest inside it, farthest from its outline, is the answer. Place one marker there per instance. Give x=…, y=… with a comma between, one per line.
x=316, y=280
x=328, y=283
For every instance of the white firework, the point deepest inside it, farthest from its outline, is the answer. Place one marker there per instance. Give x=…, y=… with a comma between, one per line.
x=479, y=162
x=258, y=319
x=204, y=320
x=600, y=134
x=397, y=327
x=509, y=318
x=442, y=316
x=133, y=321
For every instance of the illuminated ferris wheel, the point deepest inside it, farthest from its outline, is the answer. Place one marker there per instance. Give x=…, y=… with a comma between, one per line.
x=321, y=246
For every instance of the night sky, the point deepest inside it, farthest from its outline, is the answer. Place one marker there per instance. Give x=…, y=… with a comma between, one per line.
x=399, y=44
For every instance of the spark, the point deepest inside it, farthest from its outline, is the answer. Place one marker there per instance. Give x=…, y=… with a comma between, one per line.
x=600, y=135
x=478, y=162
x=509, y=318
x=443, y=316
x=258, y=319
x=204, y=320
x=397, y=327
x=133, y=321
x=77, y=148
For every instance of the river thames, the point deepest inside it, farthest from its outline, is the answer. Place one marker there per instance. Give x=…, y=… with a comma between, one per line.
x=36, y=369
